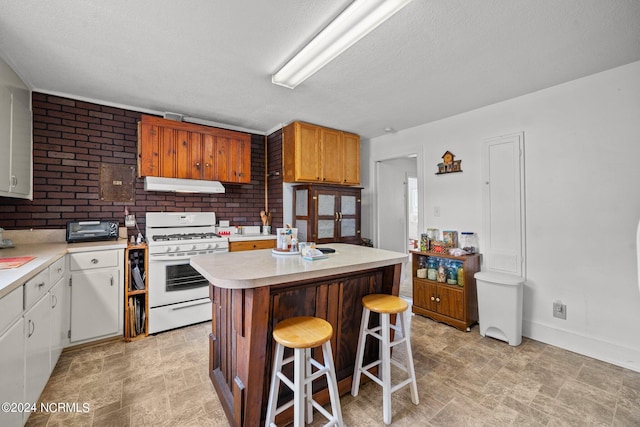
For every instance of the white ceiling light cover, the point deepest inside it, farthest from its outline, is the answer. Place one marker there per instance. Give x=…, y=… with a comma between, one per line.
x=356, y=21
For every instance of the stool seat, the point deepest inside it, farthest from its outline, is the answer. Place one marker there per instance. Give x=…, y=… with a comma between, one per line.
x=381, y=303
x=302, y=332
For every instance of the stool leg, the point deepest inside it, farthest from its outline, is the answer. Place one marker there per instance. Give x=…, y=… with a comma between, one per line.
x=406, y=331
x=362, y=340
x=332, y=383
x=298, y=383
x=308, y=386
x=275, y=386
x=386, y=369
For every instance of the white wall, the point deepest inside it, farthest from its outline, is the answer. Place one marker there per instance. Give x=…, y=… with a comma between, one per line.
x=8, y=77
x=582, y=146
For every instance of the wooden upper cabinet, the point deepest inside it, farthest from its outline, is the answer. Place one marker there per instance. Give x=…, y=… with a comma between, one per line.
x=317, y=154
x=173, y=149
x=351, y=166
x=332, y=156
x=301, y=152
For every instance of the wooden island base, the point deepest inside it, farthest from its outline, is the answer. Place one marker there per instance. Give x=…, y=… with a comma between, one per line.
x=241, y=346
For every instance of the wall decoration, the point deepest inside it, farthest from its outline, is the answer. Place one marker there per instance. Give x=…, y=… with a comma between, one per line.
x=448, y=164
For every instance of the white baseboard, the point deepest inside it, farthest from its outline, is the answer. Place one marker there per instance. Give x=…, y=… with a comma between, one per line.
x=596, y=348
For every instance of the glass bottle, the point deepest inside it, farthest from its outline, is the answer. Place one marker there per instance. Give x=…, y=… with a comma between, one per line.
x=442, y=272
x=469, y=242
x=452, y=274
x=460, y=275
x=432, y=269
x=421, y=272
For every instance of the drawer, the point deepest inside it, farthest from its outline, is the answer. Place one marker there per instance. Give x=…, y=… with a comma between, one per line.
x=56, y=271
x=36, y=287
x=249, y=245
x=10, y=308
x=94, y=259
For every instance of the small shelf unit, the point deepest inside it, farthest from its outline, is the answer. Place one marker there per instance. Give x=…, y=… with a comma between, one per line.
x=136, y=293
x=451, y=304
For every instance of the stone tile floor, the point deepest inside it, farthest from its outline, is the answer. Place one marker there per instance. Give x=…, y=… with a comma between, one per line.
x=463, y=380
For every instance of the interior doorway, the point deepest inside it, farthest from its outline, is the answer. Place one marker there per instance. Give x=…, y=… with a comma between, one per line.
x=398, y=209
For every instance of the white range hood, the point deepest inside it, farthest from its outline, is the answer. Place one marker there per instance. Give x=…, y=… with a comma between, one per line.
x=178, y=185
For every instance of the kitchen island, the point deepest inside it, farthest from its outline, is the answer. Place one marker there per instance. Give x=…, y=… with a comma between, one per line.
x=253, y=291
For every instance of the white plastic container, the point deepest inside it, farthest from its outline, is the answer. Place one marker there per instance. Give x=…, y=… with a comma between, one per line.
x=500, y=306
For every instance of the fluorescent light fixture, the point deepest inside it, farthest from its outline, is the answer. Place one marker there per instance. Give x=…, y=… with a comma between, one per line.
x=356, y=21
x=178, y=185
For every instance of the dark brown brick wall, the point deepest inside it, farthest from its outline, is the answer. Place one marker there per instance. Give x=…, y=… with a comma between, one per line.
x=274, y=179
x=71, y=139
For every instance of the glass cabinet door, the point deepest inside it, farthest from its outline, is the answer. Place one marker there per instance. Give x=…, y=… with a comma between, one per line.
x=347, y=216
x=326, y=216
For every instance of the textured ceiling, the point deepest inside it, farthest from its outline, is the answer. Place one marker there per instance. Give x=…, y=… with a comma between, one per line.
x=212, y=59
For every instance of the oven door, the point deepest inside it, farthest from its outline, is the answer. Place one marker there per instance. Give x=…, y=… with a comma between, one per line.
x=174, y=280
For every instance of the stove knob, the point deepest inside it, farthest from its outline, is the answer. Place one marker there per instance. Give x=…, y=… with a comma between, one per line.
x=194, y=247
x=168, y=249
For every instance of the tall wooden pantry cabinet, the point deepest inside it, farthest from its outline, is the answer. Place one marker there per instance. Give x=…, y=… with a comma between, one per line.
x=327, y=213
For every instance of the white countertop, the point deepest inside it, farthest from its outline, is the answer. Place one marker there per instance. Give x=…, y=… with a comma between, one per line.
x=252, y=269
x=46, y=254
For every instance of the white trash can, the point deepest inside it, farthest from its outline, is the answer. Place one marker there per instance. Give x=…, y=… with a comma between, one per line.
x=500, y=306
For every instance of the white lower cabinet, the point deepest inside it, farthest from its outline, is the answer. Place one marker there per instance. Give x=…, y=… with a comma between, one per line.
x=12, y=368
x=59, y=320
x=96, y=295
x=37, y=327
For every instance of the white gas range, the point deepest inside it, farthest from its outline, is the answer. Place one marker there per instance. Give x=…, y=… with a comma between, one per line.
x=178, y=294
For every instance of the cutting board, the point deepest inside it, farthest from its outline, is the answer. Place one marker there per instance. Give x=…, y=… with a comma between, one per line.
x=15, y=261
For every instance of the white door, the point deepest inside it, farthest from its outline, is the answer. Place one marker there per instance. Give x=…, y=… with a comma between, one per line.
x=59, y=322
x=37, y=327
x=20, y=142
x=12, y=368
x=503, y=246
x=5, y=139
x=95, y=304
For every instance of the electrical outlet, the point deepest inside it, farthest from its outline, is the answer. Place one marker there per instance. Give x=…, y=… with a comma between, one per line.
x=560, y=310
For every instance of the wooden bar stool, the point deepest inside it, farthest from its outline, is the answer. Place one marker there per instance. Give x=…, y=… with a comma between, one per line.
x=385, y=306
x=302, y=334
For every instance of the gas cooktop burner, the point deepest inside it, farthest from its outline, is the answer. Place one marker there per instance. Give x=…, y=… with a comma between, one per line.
x=184, y=236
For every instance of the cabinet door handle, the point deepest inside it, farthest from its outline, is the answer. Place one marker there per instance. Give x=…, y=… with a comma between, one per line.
x=55, y=301
x=207, y=165
x=111, y=278
x=438, y=299
x=433, y=298
x=40, y=285
x=340, y=216
x=197, y=164
x=14, y=181
x=32, y=328
x=94, y=261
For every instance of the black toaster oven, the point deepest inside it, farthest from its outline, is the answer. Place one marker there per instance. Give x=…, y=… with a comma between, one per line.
x=92, y=230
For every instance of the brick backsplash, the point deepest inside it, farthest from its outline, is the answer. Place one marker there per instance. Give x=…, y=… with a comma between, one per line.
x=71, y=139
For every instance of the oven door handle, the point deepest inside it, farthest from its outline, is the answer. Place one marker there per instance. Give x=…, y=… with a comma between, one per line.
x=208, y=301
